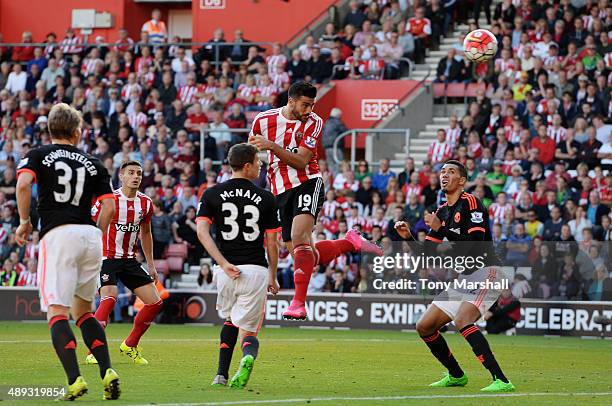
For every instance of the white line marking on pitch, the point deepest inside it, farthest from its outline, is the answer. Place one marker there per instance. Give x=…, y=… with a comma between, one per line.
x=385, y=398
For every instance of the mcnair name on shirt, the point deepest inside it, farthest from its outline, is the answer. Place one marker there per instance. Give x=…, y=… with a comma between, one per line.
x=239, y=192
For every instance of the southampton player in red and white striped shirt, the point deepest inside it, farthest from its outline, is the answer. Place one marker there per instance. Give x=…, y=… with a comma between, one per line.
x=133, y=212
x=291, y=136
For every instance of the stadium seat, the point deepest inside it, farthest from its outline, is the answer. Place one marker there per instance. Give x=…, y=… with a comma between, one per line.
x=472, y=89
x=177, y=250
x=161, y=265
x=175, y=264
x=455, y=90
x=438, y=90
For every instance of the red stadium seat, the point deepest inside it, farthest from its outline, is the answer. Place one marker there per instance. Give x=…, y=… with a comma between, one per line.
x=161, y=265
x=438, y=90
x=473, y=88
x=177, y=250
x=455, y=90
x=175, y=264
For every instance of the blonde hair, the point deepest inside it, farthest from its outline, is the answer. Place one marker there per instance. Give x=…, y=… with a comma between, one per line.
x=63, y=121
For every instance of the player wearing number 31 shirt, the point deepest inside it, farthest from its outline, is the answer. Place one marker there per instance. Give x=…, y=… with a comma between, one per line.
x=290, y=134
x=71, y=244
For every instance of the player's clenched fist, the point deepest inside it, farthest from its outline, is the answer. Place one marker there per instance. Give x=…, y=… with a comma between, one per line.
x=403, y=229
x=262, y=143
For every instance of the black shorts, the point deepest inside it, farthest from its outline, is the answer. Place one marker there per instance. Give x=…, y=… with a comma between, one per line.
x=129, y=271
x=304, y=199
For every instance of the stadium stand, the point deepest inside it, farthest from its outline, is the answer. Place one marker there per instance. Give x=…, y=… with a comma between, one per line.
x=550, y=81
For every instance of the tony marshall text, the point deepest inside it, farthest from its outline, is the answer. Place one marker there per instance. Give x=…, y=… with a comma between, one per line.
x=456, y=284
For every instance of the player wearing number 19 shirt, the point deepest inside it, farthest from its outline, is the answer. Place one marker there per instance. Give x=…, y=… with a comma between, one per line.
x=463, y=221
x=242, y=214
x=291, y=134
x=71, y=244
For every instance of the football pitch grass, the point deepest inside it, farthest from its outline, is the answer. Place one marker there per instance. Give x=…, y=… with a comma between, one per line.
x=319, y=367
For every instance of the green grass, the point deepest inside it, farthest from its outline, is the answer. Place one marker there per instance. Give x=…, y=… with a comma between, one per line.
x=307, y=364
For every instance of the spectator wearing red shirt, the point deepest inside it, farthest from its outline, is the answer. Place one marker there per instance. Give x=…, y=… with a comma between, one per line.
x=24, y=53
x=236, y=119
x=420, y=28
x=196, y=119
x=124, y=43
x=545, y=145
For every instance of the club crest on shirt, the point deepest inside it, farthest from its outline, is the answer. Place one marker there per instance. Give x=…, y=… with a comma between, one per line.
x=310, y=142
x=477, y=217
x=457, y=217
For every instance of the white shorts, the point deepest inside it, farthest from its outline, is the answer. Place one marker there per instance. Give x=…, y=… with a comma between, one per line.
x=449, y=301
x=243, y=300
x=69, y=264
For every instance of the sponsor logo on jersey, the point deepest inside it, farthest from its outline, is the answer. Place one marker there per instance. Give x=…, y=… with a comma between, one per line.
x=477, y=217
x=455, y=230
x=128, y=228
x=457, y=217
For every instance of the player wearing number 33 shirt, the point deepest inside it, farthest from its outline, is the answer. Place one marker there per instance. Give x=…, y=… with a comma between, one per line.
x=242, y=215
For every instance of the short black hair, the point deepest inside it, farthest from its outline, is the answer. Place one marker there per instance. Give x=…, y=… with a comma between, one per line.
x=300, y=89
x=462, y=170
x=129, y=163
x=240, y=155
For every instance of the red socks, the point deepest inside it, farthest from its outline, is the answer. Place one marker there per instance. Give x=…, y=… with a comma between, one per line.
x=332, y=249
x=107, y=304
x=143, y=320
x=303, y=267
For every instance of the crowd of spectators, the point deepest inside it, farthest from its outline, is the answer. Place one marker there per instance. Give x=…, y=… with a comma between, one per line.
x=540, y=163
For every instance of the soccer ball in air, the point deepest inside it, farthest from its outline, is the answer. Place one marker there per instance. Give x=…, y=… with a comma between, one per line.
x=480, y=45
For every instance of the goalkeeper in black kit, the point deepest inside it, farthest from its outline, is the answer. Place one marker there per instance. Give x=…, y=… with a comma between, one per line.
x=463, y=220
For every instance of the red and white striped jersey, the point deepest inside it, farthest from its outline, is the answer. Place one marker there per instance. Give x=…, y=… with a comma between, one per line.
x=120, y=239
x=513, y=137
x=123, y=45
x=267, y=91
x=72, y=45
x=188, y=94
x=27, y=278
x=245, y=91
x=383, y=224
x=280, y=79
x=329, y=208
x=127, y=89
x=452, y=136
x=141, y=62
x=557, y=134
x=88, y=67
x=273, y=60
x=505, y=66
x=137, y=120
x=291, y=135
x=356, y=221
x=410, y=189
x=498, y=212
x=439, y=152
x=31, y=250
